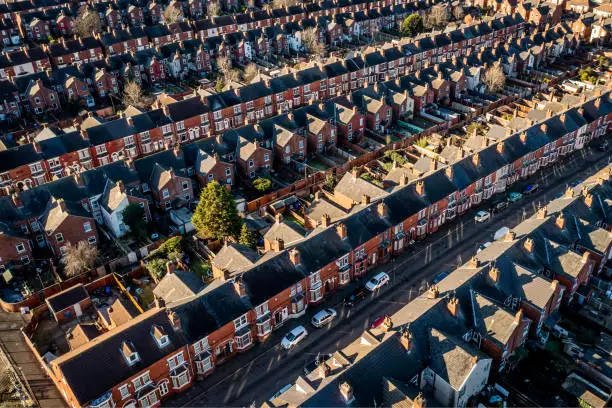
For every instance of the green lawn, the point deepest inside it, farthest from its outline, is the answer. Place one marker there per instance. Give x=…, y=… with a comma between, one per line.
x=200, y=267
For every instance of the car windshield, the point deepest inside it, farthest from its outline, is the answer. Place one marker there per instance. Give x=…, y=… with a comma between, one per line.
x=290, y=336
x=374, y=281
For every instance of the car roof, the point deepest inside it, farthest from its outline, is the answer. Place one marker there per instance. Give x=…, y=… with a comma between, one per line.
x=298, y=329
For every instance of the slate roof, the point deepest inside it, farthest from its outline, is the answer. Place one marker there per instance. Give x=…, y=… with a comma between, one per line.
x=98, y=366
x=178, y=286
x=356, y=187
x=67, y=298
x=234, y=258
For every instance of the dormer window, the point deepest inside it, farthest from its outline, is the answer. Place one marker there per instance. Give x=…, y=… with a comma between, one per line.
x=129, y=353
x=160, y=336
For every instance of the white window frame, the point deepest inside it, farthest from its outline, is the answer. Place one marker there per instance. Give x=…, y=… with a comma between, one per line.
x=241, y=322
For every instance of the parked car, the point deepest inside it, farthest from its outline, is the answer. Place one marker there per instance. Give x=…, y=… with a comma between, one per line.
x=280, y=392
x=483, y=246
x=482, y=216
x=377, y=322
x=500, y=233
x=532, y=188
x=355, y=297
x=603, y=146
x=377, y=282
x=292, y=338
x=514, y=196
x=323, y=317
x=440, y=276
x=499, y=206
x=321, y=358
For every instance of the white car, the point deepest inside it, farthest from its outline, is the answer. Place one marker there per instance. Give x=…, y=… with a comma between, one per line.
x=377, y=282
x=292, y=338
x=484, y=246
x=323, y=317
x=482, y=216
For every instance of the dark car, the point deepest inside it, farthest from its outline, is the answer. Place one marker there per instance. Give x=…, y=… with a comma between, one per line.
x=355, y=297
x=532, y=188
x=603, y=146
x=321, y=358
x=499, y=206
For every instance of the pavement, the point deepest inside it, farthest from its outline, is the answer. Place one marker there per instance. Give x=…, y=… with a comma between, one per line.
x=254, y=376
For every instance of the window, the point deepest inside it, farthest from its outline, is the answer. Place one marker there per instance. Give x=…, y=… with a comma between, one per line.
x=141, y=381
x=185, y=185
x=91, y=240
x=25, y=260
x=63, y=250
x=175, y=361
x=204, y=365
x=266, y=157
x=165, y=193
x=149, y=400
x=200, y=346
x=180, y=380
x=163, y=388
x=241, y=322
x=210, y=177
x=228, y=172
x=20, y=248
x=125, y=392
x=59, y=237
x=301, y=144
x=87, y=226
x=243, y=341
x=251, y=163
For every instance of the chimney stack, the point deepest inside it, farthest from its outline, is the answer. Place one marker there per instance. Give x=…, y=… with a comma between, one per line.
x=542, y=212
x=175, y=320
x=382, y=209
x=474, y=262
x=433, y=292
x=529, y=245
x=347, y=392
x=341, y=230
x=588, y=200
x=365, y=199
x=420, y=188
x=476, y=159
x=510, y=236
x=494, y=274
x=586, y=255
x=278, y=217
x=406, y=340
x=240, y=288
x=453, y=306
x=560, y=221
x=294, y=256
x=61, y=204
x=325, y=220
x=518, y=317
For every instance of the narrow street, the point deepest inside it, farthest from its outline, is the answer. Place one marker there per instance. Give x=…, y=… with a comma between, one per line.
x=257, y=374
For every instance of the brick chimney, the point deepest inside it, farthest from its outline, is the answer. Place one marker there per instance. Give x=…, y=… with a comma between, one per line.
x=403, y=180
x=523, y=137
x=449, y=172
x=510, y=236
x=529, y=245
x=240, y=288
x=554, y=285
x=278, y=244
x=341, y=230
x=419, y=401
x=16, y=199
x=588, y=200
x=433, y=292
x=494, y=274
x=474, y=262
x=433, y=164
x=346, y=390
x=518, y=317
x=325, y=220
x=355, y=171
x=294, y=257
x=121, y=186
x=453, y=306
x=170, y=267
x=324, y=370
x=406, y=340
x=569, y=192
x=175, y=320
x=382, y=209
x=476, y=159
x=365, y=199
x=542, y=212
x=61, y=204
x=586, y=255
x=560, y=221
x=278, y=217
x=420, y=188
x=500, y=147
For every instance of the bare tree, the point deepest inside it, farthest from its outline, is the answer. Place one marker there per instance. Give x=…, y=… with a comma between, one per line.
x=438, y=16
x=133, y=95
x=458, y=12
x=494, y=78
x=79, y=259
x=250, y=72
x=87, y=23
x=172, y=14
x=224, y=65
x=213, y=9
x=310, y=41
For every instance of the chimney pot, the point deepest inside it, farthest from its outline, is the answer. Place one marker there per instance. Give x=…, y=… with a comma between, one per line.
x=453, y=306
x=529, y=245
x=341, y=230
x=494, y=274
